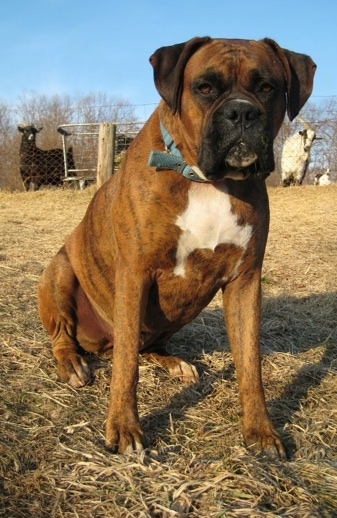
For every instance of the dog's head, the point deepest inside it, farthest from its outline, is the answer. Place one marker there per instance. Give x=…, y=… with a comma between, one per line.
x=230, y=96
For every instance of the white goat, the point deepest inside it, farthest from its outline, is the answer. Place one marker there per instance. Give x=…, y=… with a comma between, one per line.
x=323, y=178
x=296, y=155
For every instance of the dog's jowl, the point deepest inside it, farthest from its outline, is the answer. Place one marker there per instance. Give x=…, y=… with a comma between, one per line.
x=185, y=216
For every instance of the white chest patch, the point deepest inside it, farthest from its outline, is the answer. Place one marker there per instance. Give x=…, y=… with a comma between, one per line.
x=208, y=221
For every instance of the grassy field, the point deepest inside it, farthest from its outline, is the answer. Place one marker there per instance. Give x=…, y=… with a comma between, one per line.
x=52, y=457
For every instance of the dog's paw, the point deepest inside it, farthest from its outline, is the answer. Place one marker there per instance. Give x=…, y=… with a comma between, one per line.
x=268, y=446
x=74, y=370
x=124, y=439
x=176, y=367
x=184, y=371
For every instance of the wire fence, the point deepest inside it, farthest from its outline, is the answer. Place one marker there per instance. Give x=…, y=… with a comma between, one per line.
x=82, y=139
x=72, y=161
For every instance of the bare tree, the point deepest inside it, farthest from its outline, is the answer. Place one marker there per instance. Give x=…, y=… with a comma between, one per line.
x=325, y=115
x=9, y=161
x=99, y=107
x=47, y=112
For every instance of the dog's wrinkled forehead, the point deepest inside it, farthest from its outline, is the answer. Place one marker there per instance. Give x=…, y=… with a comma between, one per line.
x=235, y=60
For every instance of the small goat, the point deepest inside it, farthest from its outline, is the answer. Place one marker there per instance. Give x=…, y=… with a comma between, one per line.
x=323, y=178
x=296, y=155
x=37, y=166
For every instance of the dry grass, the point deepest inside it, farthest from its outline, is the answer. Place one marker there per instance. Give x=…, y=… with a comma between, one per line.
x=52, y=459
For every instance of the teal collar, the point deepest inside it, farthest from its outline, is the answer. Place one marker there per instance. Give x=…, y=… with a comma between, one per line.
x=172, y=159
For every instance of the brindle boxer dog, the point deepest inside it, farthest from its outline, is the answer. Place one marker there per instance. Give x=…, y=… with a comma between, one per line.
x=186, y=215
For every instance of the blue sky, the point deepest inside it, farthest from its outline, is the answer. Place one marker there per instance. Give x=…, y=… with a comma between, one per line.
x=84, y=46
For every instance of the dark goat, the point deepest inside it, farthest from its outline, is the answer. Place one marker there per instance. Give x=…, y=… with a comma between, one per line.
x=40, y=167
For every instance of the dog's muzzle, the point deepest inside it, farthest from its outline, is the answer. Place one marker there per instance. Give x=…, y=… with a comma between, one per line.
x=236, y=142
x=244, y=114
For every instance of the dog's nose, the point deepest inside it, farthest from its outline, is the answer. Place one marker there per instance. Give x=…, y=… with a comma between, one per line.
x=241, y=112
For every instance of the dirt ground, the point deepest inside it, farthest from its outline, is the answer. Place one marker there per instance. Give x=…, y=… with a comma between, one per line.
x=52, y=457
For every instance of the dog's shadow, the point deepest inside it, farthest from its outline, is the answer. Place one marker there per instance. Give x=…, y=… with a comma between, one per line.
x=280, y=318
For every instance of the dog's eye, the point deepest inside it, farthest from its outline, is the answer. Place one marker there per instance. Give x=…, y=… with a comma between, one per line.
x=205, y=89
x=266, y=88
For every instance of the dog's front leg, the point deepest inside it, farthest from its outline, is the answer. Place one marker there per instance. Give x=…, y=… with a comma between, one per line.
x=242, y=308
x=123, y=432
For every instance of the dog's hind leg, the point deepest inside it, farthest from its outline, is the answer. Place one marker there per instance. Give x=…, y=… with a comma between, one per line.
x=175, y=366
x=57, y=308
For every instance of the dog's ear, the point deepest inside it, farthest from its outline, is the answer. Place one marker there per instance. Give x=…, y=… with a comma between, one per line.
x=300, y=70
x=168, y=69
x=300, y=84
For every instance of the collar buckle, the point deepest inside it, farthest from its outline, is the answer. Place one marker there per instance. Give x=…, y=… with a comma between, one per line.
x=172, y=159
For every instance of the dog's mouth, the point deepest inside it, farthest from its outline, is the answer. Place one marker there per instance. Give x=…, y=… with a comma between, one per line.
x=239, y=163
x=240, y=157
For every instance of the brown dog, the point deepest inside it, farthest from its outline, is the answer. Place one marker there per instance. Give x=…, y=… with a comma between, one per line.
x=185, y=216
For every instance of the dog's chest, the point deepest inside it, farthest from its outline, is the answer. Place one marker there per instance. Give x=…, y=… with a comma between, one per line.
x=208, y=221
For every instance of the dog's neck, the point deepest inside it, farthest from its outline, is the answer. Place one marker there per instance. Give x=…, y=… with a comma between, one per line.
x=172, y=159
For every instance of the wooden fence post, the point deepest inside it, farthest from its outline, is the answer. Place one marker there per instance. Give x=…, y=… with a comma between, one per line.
x=106, y=147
